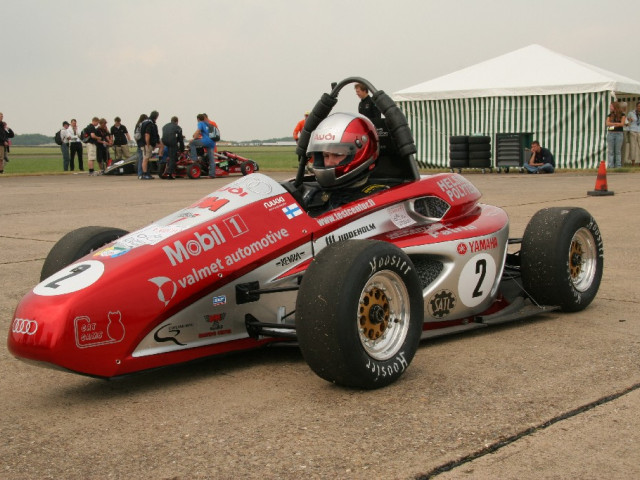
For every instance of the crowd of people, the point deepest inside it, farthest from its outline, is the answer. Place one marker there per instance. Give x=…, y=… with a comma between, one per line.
x=623, y=140
x=97, y=138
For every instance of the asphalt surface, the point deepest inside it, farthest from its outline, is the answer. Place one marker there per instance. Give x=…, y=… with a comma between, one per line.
x=554, y=397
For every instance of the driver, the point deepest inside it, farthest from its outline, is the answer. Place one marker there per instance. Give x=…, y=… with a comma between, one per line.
x=344, y=149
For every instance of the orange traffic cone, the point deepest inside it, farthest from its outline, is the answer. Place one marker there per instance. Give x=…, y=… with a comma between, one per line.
x=601, y=182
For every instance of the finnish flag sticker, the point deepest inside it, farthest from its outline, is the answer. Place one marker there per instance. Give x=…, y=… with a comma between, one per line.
x=292, y=211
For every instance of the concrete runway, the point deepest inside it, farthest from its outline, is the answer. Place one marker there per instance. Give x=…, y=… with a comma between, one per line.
x=554, y=397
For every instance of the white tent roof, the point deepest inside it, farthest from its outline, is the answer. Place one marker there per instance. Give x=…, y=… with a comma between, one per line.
x=532, y=70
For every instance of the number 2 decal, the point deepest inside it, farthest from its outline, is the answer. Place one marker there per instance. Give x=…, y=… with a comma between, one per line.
x=481, y=269
x=476, y=279
x=71, y=279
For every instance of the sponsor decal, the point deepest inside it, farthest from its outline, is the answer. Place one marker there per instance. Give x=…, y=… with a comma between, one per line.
x=457, y=187
x=395, y=366
x=24, y=326
x=329, y=239
x=442, y=303
x=483, y=244
x=378, y=263
x=271, y=238
x=202, y=242
x=216, y=326
x=169, y=333
x=104, y=331
x=324, y=136
x=289, y=259
x=71, y=279
x=273, y=204
x=211, y=203
x=167, y=289
x=462, y=248
x=111, y=252
x=346, y=212
x=219, y=300
x=292, y=211
x=147, y=236
x=399, y=216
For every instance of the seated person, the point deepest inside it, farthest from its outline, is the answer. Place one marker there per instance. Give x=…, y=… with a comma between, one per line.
x=541, y=160
x=344, y=149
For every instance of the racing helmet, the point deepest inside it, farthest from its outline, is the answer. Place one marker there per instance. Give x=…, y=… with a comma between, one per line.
x=343, y=134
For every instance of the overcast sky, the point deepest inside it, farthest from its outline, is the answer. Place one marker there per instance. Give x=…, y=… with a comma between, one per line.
x=256, y=66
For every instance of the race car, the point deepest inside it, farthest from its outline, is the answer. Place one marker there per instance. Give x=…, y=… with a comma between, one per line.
x=227, y=163
x=256, y=263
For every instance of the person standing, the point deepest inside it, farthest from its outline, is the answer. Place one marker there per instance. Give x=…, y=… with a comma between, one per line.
x=633, y=125
x=299, y=126
x=121, y=139
x=211, y=131
x=541, y=160
x=139, y=138
x=91, y=131
x=5, y=134
x=64, y=146
x=103, y=144
x=149, y=130
x=173, y=139
x=201, y=138
x=615, y=125
x=75, y=146
x=366, y=106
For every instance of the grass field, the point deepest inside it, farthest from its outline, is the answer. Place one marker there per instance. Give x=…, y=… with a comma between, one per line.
x=39, y=160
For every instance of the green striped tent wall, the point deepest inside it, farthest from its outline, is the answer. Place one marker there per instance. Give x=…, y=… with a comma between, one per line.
x=572, y=126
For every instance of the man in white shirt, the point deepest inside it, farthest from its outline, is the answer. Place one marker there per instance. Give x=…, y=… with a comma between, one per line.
x=64, y=136
x=75, y=145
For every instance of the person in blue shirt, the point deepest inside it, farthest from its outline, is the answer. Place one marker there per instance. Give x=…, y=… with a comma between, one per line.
x=541, y=160
x=202, y=138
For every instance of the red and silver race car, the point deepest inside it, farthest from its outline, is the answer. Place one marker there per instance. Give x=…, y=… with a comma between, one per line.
x=356, y=286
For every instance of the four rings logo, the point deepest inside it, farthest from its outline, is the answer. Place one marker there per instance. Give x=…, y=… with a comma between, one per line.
x=24, y=326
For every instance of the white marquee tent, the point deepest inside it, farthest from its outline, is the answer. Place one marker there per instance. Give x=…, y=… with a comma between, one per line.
x=561, y=101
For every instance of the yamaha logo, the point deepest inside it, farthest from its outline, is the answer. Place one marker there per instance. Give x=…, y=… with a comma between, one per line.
x=24, y=326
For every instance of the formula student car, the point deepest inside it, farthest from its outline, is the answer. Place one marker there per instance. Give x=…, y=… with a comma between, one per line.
x=357, y=286
x=227, y=163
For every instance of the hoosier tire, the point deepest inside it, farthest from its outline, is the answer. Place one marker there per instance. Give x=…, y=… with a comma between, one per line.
x=75, y=245
x=562, y=258
x=359, y=313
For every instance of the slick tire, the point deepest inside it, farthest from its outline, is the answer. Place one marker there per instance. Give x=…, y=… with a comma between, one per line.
x=75, y=245
x=359, y=313
x=562, y=258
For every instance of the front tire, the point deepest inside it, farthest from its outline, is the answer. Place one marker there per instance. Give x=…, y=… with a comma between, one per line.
x=248, y=167
x=562, y=258
x=359, y=313
x=75, y=245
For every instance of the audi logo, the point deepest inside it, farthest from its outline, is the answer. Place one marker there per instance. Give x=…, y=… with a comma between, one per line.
x=24, y=326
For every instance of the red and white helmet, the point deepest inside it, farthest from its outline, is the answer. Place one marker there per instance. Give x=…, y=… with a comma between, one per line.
x=343, y=134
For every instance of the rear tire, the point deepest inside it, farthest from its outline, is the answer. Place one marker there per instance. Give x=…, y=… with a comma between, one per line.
x=360, y=328
x=194, y=171
x=562, y=258
x=75, y=245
